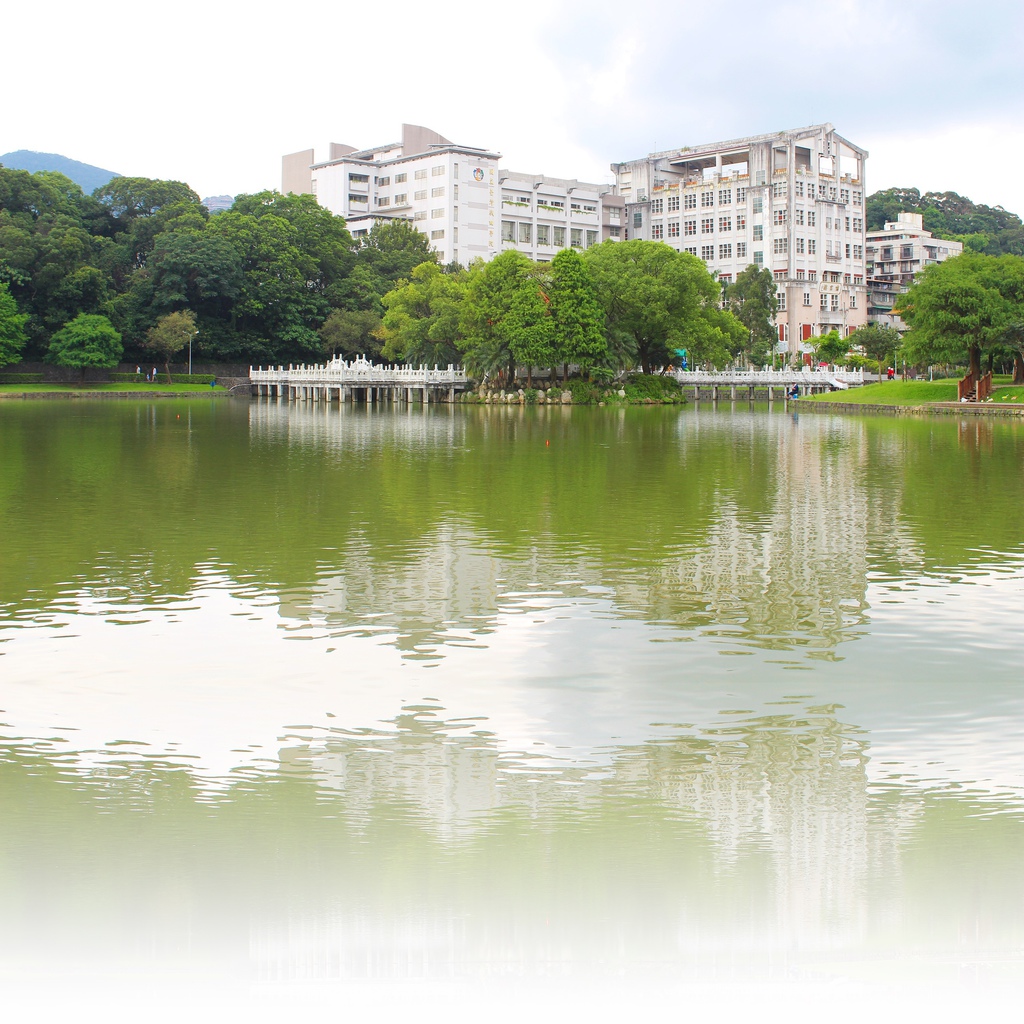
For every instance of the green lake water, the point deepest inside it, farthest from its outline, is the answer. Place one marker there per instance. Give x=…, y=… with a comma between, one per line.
x=578, y=708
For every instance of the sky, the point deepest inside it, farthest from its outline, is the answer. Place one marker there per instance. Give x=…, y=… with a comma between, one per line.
x=214, y=93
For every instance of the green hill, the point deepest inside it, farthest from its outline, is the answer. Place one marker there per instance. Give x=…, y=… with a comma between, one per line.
x=86, y=176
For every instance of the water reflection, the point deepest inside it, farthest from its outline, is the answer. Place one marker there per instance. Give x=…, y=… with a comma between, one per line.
x=290, y=692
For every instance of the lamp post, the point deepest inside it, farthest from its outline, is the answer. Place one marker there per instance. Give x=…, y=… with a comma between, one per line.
x=190, y=337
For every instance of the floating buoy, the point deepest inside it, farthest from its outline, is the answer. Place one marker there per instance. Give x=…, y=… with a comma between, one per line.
x=547, y=444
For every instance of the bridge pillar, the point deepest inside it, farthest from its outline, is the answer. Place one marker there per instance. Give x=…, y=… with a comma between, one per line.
x=696, y=392
x=714, y=392
x=426, y=395
x=732, y=393
x=771, y=394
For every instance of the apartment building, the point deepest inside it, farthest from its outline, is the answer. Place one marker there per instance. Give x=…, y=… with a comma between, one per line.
x=790, y=201
x=457, y=196
x=895, y=254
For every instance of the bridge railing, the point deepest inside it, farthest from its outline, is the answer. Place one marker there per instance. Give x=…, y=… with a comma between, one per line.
x=768, y=377
x=358, y=373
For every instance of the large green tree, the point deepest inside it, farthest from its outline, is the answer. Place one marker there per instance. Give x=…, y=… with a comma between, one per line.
x=577, y=316
x=12, y=328
x=955, y=311
x=87, y=342
x=658, y=300
x=422, y=317
x=351, y=332
x=752, y=298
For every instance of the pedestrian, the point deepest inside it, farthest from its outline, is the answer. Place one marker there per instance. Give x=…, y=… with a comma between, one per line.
x=154, y=374
x=138, y=371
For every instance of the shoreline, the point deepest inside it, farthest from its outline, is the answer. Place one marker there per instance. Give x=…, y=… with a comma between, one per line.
x=931, y=409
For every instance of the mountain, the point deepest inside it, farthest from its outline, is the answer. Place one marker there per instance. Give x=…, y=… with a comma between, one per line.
x=86, y=176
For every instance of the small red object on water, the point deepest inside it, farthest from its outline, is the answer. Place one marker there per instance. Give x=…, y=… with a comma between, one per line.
x=547, y=444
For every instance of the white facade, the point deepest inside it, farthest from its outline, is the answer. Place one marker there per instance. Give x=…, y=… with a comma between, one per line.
x=895, y=255
x=458, y=197
x=790, y=201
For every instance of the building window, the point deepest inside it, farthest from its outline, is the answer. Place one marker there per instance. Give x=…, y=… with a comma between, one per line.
x=420, y=215
x=858, y=252
x=591, y=238
x=758, y=232
x=758, y=258
x=853, y=300
x=525, y=232
x=657, y=230
x=558, y=237
x=844, y=195
x=725, y=223
x=725, y=279
x=858, y=278
x=707, y=198
x=690, y=201
x=798, y=189
x=383, y=181
x=832, y=193
x=707, y=253
x=780, y=215
x=858, y=223
x=847, y=250
x=758, y=204
x=437, y=170
x=576, y=238
x=807, y=298
x=543, y=233
x=811, y=218
x=781, y=293
x=691, y=249
x=823, y=301
x=615, y=232
x=638, y=219
x=812, y=246
x=689, y=227
x=435, y=235
x=725, y=251
x=835, y=303
x=436, y=193
x=420, y=173
x=780, y=246
x=437, y=212
x=798, y=217
x=673, y=229
x=741, y=250
x=847, y=223
x=357, y=200
x=779, y=190
x=856, y=198
x=359, y=179
x=384, y=201
x=673, y=203
x=812, y=275
x=741, y=222
x=707, y=225
x=741, y=195
x=724, y=196
x=657, y=206
x=508, y=230
x=822, y=190
x=401, y=199
x=800, y=247
x=799, y=275
x=399, y=178
x=420, y=195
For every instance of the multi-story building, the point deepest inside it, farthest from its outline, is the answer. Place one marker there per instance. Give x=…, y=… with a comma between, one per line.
x=790, y=201
x=894, y=255
x=457, y=196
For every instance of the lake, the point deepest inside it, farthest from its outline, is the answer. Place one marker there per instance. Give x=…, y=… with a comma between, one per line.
x=417, y=711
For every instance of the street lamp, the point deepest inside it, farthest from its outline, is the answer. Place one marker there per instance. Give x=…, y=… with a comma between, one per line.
x=190, y=337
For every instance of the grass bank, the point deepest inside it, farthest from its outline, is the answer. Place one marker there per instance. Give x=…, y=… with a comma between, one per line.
x=83, y=390
x=914, y=392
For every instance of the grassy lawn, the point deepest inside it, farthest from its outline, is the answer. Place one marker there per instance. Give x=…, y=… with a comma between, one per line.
x=893, y=392
x=183, y=389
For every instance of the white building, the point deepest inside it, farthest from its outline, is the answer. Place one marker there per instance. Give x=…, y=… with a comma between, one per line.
x=457, y=196
x=791, y=201
x=895, y=255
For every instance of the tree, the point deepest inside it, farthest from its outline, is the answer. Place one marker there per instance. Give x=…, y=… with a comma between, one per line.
x=954, y=310
x=421, y=317
x=831, y=347
x=577, y=316
x=88, y=341
x=351, y=332
x=505, y=320
x=169, y=336
x=657, y=300
x=878, y=342
x=12, y=328
x=752, y=298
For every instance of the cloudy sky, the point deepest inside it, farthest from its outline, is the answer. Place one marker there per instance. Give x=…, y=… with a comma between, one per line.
x=214, y=92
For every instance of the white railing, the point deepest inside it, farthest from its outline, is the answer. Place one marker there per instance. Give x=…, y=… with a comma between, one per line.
x=766, y=377
x=359, y=372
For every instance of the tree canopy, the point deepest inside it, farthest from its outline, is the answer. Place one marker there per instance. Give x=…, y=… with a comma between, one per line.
x=752, y=297
x=12, y=328
x=87, y=342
